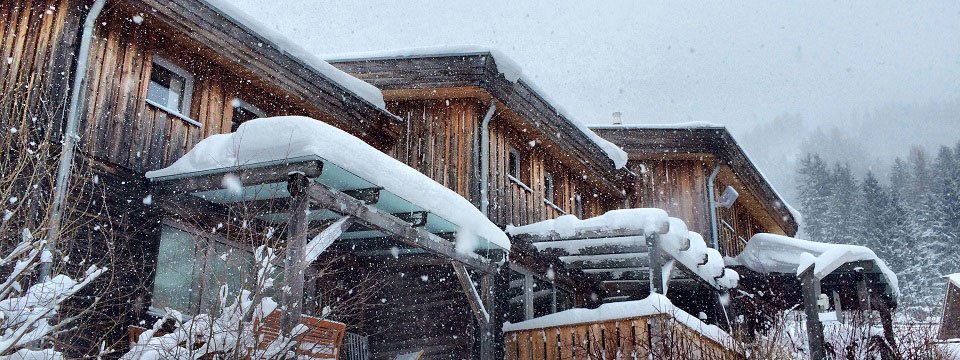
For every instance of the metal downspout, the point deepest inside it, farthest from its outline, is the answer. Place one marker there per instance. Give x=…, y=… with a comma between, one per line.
x=485, y=159
x=712, y=201
x=70, y=136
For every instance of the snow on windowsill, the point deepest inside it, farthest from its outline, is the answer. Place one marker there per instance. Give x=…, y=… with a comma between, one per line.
x=506, y=66
x=275, y=139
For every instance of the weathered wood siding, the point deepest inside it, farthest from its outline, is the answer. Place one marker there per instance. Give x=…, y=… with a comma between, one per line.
x=635, y=338
x=512, y=203
x=36, y=53
x=677, y=186
x=423, y=308
x=439, y=139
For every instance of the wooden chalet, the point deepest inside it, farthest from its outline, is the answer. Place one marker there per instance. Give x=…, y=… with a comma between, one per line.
x=161, y=76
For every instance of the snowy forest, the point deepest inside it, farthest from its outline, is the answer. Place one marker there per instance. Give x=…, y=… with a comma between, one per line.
x=910, y=218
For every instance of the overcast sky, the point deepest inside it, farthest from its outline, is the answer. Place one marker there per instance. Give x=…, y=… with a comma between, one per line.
x=733, y=63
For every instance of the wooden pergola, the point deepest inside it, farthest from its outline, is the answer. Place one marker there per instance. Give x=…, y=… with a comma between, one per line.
x=305, y=192
x=623, y=260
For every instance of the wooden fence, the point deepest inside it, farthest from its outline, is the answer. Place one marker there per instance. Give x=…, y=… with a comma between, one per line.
x=656, y=336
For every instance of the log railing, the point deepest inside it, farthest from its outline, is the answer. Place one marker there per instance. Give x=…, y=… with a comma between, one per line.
x=657, y=336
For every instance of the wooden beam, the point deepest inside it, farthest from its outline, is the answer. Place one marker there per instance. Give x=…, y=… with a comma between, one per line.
x=578, y=247
x=369, y=196
x=588, y=234
x=656, y=265
x=295, y=263
x=392, y=226
x=811, y=293
x=607, y=261
x=248, y=177
x=473, y=297
x=416, y=218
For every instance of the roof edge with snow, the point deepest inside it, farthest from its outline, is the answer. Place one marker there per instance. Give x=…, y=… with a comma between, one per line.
x=518, y=92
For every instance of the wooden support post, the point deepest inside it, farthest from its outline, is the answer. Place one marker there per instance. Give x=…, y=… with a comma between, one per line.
x=886, y=319
x=656, y=264
x=295, y=263
x=473, y=296
x=810, y=287
x=491, y=333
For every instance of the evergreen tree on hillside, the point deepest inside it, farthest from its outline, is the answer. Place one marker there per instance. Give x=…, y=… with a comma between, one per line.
x=845, y=216
x=815, y=191
x=882, y=221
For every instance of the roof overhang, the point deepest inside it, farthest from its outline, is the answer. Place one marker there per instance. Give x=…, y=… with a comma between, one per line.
x=237, y=47
x=665, y=142
x=476, y=74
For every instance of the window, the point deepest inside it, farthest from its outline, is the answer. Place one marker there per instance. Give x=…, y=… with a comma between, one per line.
x=513, y=164
x=191, y=270
x=542, y=298
x=170, y=87
x=243, y=112
x=578, y=206
x=548, y=187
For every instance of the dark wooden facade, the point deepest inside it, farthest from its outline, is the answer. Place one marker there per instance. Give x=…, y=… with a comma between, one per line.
x=439, y=102
x=675, y=167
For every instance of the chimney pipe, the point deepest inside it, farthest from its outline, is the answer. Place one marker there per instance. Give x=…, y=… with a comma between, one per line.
x=616, y=118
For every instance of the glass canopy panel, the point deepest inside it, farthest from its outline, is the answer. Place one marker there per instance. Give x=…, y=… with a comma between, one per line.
x=337, y=178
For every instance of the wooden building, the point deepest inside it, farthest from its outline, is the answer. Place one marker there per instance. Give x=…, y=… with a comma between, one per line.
x=163, y=75
x=950, y=318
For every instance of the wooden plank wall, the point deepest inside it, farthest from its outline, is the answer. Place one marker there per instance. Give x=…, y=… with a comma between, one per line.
x=625, y=338
x=122, y=128
x=514, y=204
x=36, y=54
x=677, y=186
x=438, y=139
x=423, y=308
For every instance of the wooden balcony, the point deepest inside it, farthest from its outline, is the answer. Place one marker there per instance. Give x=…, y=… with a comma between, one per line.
x=657, y=336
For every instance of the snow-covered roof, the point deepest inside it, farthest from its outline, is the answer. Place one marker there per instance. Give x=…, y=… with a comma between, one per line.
x=954, y=279
x=358, y=87
x=771, y=253
x=711, y=128
x=297, y=138
x=506, y=66
x=685, y=246
x=655, y=304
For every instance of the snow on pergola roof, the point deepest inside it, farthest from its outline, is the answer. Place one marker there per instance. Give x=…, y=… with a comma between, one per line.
x=506, y=66
x=954, y=279
x=621, y=233
x=771, y=253
x=348, y=164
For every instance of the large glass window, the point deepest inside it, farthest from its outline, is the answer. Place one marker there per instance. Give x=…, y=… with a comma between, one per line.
x=191, y=270
x=542, y=298
x=172, y=285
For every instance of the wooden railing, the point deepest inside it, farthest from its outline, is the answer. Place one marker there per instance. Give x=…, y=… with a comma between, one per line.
x=655, y=336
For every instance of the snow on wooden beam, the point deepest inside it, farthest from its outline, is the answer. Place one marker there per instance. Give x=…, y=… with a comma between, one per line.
x=392, y=226
x=247, y=177
x=586, y=234
x=607, y=261
x=593, y=246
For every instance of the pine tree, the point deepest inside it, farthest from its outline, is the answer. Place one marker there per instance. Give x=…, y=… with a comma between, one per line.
x=814, y=191
x=844, y=215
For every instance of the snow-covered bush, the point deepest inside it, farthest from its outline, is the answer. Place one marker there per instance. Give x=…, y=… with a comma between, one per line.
x=859, y=336
x=229, y=332
x=28, y=316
